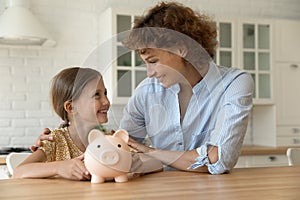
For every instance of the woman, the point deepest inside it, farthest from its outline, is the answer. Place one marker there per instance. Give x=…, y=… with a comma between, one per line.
x=194, y=112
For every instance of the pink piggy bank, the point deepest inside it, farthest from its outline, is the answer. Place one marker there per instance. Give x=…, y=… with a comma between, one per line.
x=108, y=156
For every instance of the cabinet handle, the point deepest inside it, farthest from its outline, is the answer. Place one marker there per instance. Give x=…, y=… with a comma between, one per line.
x=296, y=141
x=272, y=158
x=294, y=66
x=295, y=130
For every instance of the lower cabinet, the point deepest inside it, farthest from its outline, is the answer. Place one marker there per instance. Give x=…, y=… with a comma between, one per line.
x=262, y=161
x=288, y=135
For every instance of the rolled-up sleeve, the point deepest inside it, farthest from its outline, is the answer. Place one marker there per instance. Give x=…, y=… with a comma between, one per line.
x=230, y=127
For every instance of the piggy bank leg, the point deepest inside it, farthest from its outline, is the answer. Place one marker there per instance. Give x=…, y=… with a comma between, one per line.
x=121, y=178
x=97, y=179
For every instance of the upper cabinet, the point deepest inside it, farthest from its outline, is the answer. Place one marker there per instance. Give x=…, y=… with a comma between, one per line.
x=129, y=67
x=225, y=54
x=248, y=45
x=287, y=40
x=126, y=69
x=256, y=57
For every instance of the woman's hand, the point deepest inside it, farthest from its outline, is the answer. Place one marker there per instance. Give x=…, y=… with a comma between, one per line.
x=73, y=169
x=139, y=147
x=177, y=159
x=44, y=136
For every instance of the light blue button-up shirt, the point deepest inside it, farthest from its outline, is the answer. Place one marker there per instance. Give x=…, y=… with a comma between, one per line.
x=217, y=115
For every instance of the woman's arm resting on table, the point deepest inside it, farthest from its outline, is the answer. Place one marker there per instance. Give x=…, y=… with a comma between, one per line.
x=180, y=160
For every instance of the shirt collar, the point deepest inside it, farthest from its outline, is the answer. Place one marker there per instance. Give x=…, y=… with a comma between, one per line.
x=210, y=79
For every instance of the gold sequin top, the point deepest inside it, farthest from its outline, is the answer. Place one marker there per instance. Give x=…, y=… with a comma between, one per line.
x=62, y=147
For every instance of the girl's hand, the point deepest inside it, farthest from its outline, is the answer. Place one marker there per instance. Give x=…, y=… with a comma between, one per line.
x=44, y=136
x=73, y=169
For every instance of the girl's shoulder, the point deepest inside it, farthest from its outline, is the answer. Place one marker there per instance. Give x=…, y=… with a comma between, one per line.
x=59, y=132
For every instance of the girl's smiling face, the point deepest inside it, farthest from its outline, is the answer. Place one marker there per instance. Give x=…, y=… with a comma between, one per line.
x=92, y=105
x=167, y=67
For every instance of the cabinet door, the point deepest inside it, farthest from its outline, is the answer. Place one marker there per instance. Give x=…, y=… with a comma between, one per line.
x=287, y=40
x=288, y=93
x=130, y=68
x=256, y=57
x=225, y=52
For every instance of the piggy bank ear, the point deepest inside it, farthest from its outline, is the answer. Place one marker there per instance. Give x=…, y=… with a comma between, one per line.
x=122, y=134
x=94, y=134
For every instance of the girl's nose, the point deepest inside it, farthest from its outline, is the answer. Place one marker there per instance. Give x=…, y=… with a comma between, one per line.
x=105, y=101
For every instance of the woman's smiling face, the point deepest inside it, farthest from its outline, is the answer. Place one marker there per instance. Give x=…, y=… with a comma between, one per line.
x=167, y=67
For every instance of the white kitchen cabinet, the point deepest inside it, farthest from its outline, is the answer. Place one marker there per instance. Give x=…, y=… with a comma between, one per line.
x=123, y=69
x=278, y=124
x=226, y=52
x=262, y=161
x=255, y=56
x=287, y=82
x=248, y=44
x=287, y=41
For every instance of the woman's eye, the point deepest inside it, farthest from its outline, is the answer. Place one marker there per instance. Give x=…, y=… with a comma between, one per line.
x=97, y=94
x=152, y=61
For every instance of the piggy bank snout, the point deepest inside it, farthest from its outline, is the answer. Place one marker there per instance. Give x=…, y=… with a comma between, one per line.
x=109, y=157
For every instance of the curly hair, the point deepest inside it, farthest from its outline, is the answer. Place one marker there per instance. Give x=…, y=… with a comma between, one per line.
x=173, y=16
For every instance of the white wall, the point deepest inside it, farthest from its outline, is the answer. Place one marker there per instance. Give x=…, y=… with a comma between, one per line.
x=25, y=72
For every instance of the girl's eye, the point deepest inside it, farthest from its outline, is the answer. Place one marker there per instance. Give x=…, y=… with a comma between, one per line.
x=105, y=93
x=97, y=94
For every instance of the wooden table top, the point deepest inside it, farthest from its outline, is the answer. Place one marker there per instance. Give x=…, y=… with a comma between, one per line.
x=244, y=183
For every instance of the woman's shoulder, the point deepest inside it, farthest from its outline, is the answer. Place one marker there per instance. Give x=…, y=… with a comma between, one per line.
x=230, y=74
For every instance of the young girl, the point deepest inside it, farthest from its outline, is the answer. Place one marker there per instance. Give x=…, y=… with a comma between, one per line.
x=79, y=98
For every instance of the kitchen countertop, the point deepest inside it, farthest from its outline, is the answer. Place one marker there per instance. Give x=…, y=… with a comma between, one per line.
x=262, y=150
x=2, y=159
